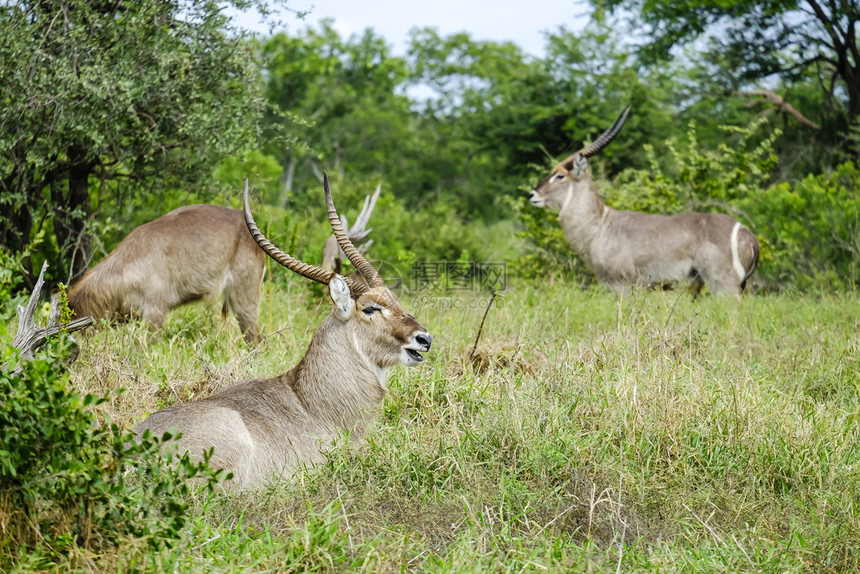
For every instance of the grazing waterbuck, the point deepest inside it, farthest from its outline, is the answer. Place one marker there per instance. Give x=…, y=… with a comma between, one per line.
x=192, y=253
x=629, y=247
x=264, y=428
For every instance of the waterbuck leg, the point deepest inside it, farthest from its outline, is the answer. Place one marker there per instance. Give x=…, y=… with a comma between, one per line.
x=243, y=303
x=30, y=336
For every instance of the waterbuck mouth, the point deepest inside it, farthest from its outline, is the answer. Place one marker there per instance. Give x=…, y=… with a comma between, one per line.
x=535, y=199
x=419, y=342
x=414, y=355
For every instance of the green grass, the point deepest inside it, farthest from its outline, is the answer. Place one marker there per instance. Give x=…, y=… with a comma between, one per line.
x=661, y=434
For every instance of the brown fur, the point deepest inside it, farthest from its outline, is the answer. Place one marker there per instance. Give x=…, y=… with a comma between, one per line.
x=192, y=253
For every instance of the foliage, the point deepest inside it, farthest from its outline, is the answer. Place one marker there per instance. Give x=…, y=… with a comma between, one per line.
x=697, y=177
x=67, y=482
x=811, y=230
x=354, y=119
x=599, y=75
x=10, y=277
x=150, y=94
x=503, y=111
x=753, y=40
x=401, y=236
x=488, y=102
x=480, y=114
x=434, y=233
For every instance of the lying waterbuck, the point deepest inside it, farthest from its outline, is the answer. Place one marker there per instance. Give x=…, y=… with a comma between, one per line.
x=264, y=428
x=192, y=253
x=627, y=247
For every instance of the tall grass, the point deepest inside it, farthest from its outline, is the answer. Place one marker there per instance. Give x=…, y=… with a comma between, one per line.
x=655, y=433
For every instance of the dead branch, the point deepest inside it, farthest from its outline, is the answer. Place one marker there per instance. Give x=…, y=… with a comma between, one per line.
x=29, y=336
x=481, y=327
x=770, y=97
x=359, y=231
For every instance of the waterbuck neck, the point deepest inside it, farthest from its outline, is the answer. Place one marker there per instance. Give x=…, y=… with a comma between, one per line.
x=335, y=381
x=582, y=215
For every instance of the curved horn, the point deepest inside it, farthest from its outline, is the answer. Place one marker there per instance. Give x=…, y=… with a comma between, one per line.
x=606, y=136
x=358, y=260
x=310, y=271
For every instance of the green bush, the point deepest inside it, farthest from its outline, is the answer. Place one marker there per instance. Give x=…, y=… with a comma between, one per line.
x=810, y=231
x=700, y=179
x=11, y=271
x=68, y=482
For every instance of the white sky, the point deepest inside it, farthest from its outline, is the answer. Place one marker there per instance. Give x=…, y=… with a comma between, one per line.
x=523, y=22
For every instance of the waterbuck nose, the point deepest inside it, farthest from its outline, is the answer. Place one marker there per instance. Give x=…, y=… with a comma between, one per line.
x=424, y=340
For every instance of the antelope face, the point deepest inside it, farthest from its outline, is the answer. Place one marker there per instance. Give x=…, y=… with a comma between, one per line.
x=555, y=190
x=558, y=188
x=383, y=331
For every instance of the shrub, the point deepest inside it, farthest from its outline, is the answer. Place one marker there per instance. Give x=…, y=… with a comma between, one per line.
x=402, y=234
x=11, y=270
x=698, y=179
x=810, y=231
x=67, y=482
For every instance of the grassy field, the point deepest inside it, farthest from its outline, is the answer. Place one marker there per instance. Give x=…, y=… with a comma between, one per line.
x=658, y=434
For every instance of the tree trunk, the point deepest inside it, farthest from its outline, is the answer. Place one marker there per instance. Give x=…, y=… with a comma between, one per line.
x=72, y=215
x=15, y=226
x=853, y=94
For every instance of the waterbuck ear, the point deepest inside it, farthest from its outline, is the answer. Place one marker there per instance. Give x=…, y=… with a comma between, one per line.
x=341, y=297
x=580, y=164
x=566, y=165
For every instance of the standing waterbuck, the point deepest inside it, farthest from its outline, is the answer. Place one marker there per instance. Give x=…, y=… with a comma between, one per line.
x=192, y=253
x=627, y=247
x=264, y=428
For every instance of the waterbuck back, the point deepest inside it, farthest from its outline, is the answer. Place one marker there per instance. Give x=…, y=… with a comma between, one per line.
x=264, y=428
x=192, y=253
x=628, y=247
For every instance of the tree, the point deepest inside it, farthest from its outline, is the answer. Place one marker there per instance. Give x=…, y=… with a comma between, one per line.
x=503, y=111
x=752, y=40
x=345, y=90
x=149, y=93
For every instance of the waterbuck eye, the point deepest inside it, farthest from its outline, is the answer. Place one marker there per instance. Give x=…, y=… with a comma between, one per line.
x=370, y=310
x=558, y=176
